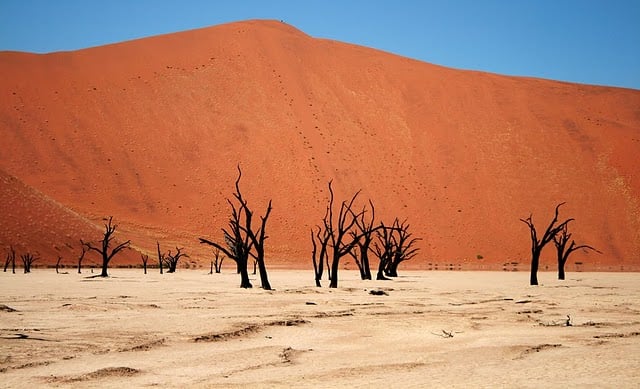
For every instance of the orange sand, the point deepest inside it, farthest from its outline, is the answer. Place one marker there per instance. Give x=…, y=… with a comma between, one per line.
x=150, y=131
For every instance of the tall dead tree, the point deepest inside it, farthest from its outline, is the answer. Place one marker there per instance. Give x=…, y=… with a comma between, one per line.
x=257, y=237
x=11, y=259
x=320, y=257
x=27, y=260
x=537, y=244
x=81, y=257
x=341, y=242
x=160, y=258
x=237, y=246
x=561, y=240
x=106, y=253
x=360, y=253
x=240, y=238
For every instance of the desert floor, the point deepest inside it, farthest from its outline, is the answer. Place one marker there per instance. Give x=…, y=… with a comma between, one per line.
x=430, y=329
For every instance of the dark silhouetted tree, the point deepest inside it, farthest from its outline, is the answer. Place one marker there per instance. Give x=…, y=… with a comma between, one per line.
x=366, y=230
x=171, y=260
x=257, y=238
x=27, y=260
x=240, y=238
x=145, y=259
x=403, y=247
x=537, y=244
x=384, y=248
x=320, y=240
x=58, y=263
x=81, y=257
x=104, y=250
x=11, y=260
x=340, y=240
x=217, y=261
x=561, y=240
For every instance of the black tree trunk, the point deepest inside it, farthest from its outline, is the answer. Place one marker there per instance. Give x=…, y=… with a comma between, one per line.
x=244, y=278
x=535, y=260
x=334, y=271
x=105, y=265
x=561, y=270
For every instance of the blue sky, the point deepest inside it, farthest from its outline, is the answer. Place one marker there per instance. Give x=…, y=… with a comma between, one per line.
x=585, y=41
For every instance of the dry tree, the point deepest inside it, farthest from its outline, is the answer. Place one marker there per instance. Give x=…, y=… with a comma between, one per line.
x=561, y=240
x=171, y=260
x=537, y=244
x=145, y=259
x=242, y=241
x=27, y=261
x=104, y=249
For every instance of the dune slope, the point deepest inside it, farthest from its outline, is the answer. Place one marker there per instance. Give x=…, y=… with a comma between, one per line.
x=151, y=131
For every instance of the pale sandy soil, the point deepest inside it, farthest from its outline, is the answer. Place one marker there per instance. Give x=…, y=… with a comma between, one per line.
x=432, y=329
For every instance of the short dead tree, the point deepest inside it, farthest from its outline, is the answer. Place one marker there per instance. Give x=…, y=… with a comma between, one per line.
x=27, y=260
x=216, y=264
x=537, y=244
x=403, y=247
x=565, y=251
x=171, y=260
x=104, y=250
x=320, y=240
x=145, y=259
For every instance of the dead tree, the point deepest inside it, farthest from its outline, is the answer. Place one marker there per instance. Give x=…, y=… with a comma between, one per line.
x=145, y=259
x=58, y=263
x=172, y=259
x=360, y=253
x=537, y=244
x=241, y=239
x=104, y=251
x=403, y=247
x=238, y=244
x=237, y=247
x=320, y=238
x=384, y=248
x=217, y=261
x=563, y=251
x=340, y=240
x=84, y=251
x=11, y=259
x=27, y=260
x=257, y=238
x=160, y=258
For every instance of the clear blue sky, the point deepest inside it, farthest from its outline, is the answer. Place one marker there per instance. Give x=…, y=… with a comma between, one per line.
x=586, y=41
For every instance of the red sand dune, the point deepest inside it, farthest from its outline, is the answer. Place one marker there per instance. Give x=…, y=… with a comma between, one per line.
x=150, y=131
